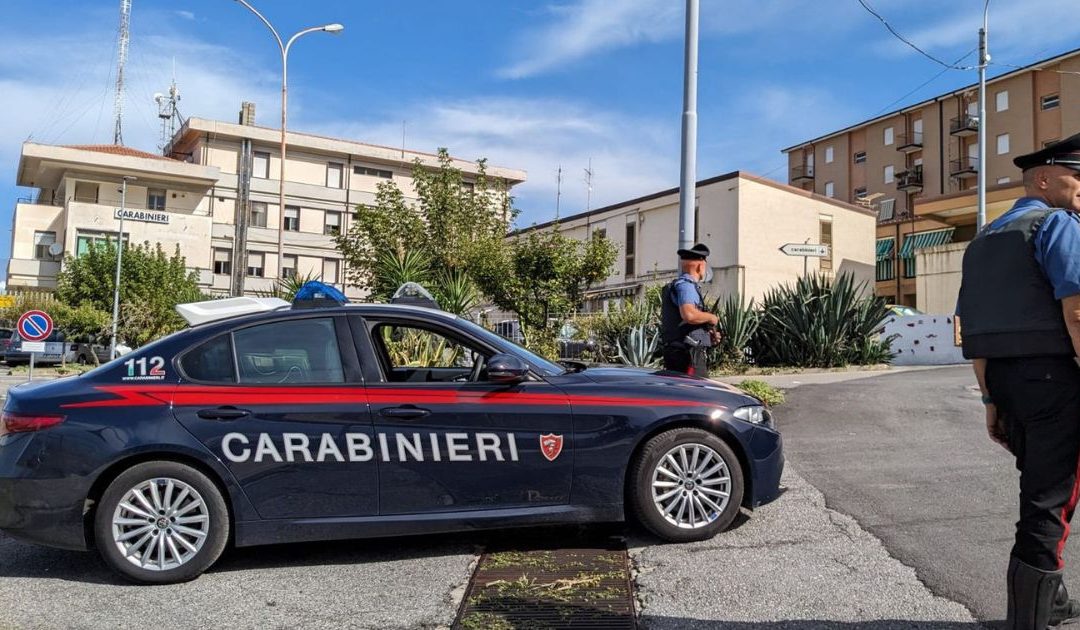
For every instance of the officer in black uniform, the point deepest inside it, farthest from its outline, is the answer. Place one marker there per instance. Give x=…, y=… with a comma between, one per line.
x=686, y=328
x=1020, y=310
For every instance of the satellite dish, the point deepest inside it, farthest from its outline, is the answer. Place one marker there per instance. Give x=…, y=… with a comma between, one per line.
x=56, y=249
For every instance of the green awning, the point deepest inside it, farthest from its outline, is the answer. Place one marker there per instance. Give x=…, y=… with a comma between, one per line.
x=919, y=240
x=884, y=248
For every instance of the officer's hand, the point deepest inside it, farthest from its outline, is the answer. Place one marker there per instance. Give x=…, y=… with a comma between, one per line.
x=715, y=336
x=995, y=427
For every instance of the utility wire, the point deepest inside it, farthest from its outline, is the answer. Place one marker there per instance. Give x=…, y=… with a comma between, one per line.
x=928, y=82
x=1016, y=67
x=948, y=66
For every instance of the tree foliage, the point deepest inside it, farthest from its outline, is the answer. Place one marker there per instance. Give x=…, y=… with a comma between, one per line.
x=152, y=283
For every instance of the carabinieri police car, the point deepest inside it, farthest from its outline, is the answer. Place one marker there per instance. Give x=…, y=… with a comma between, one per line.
x=266, y=422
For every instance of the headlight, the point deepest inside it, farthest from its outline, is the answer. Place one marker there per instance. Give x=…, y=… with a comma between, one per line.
x=754, y=414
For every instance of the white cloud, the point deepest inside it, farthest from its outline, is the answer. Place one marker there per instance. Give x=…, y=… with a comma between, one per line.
x=187, y=15
x=630, y=156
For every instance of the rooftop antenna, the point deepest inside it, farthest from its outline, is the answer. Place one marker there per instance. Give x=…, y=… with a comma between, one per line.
x=123, y=35
x=588, y=186
x=403, y=139
x=168, y=111
x=558, y=191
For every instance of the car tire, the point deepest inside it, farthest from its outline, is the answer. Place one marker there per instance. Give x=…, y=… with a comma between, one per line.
x=187, y=523
x=677, y=499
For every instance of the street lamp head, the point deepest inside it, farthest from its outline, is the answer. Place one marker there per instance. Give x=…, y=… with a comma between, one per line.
x=334, y=28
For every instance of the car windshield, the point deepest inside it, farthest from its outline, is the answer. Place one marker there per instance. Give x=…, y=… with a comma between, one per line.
x=547, y=367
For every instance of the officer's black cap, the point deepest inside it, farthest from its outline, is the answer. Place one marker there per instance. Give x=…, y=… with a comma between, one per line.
x=1064, y=153
x=697, y=252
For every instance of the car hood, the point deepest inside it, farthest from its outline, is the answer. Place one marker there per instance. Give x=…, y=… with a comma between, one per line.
x=638, y=377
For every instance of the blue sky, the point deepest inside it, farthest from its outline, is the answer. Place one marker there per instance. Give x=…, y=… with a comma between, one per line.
x=530, y=85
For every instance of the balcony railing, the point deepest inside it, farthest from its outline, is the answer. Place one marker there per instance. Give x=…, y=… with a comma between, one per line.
x=910, y=180
x=964, y=167
x=965, y=125
x=909, y=142
x=803, y=173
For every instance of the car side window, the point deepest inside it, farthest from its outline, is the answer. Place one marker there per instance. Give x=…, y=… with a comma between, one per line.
x=211, y=362
x=417, y=354
x=292, y=351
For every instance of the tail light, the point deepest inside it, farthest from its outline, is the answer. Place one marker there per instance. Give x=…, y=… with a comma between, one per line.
x=25, y=422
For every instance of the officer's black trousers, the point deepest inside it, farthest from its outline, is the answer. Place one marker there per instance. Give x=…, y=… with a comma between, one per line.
x=680, y=358
x=1040, y=400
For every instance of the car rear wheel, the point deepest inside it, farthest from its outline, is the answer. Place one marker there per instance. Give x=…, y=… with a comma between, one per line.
x=687, y=485
x=161, y=523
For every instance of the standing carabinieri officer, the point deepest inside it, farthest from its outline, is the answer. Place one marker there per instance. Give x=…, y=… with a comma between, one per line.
x=687, y=330
x=1020, y=310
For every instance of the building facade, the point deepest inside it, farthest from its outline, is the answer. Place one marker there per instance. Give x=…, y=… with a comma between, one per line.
x=744, y=220
x=215, y=194
x=918, y=166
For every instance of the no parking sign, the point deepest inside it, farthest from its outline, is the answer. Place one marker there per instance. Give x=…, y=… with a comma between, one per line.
x=35, y=326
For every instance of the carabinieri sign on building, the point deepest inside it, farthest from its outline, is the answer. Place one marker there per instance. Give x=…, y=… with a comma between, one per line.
x=149, y=216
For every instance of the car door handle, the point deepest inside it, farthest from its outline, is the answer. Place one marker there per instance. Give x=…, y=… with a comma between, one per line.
x=223, y=413
x=404, y=412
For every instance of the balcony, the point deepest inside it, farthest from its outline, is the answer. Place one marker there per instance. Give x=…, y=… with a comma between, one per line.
x=910, y=180
x=804, y=173
x=966, y=125
x=909, y=142
x=964, y=168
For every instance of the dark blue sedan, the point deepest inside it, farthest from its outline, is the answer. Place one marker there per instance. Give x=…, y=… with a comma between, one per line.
x=266, y=422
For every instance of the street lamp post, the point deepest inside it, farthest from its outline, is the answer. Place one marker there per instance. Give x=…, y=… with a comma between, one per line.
x=119, y=260
x=984, y=58
x=334, y=28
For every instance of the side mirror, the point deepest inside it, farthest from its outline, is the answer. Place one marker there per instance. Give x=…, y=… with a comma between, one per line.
x=506, y=368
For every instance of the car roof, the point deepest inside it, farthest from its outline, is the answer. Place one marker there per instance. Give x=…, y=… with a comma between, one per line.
x=361, y=309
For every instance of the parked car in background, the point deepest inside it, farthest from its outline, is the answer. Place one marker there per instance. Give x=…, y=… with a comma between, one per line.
x=5, y=339
x=57, y=350
x=86, y=352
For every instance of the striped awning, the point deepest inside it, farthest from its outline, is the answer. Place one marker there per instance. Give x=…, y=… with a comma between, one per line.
x=919, y=240
x=885, y=247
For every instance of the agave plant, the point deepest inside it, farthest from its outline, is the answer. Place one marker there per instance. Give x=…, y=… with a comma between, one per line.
x=738, y=323
x=640, y=347
x=286, y=288
x=455, y=292
x=393, y=269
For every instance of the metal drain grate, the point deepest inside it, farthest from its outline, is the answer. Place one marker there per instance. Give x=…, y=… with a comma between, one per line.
x=549, y=589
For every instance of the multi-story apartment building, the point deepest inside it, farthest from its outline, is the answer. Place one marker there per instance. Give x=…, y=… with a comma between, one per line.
x=744, y=220
x=918, y=166
x=193, y=197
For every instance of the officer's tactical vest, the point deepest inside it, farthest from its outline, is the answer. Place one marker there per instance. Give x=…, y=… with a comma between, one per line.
x=672, y=328
x=1007, y=305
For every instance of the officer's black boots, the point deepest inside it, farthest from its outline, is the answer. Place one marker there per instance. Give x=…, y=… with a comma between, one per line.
x=1064, y=609
x=1032, y=595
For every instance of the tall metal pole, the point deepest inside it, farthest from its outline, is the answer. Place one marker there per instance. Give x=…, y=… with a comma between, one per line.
x=688, y=186
x=119, y=260
x=984, y=58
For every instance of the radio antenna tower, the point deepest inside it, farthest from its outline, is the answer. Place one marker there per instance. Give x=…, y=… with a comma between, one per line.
x=168, y=111
x=123, y=34
x=588, y=186
x=558, y=191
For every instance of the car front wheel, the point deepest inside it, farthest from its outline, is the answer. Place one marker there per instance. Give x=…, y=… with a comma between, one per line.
x=161, y=523
x=688, y=485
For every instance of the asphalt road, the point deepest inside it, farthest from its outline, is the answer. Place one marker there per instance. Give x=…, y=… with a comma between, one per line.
x=907, y=456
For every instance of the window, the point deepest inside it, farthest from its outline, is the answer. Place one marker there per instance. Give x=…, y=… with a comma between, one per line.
x=830, y=189
x=155, y=199
x=860, y=157
x=828, y=155
x=255, y=264
x=859, y=192
x=211, y=362
x=258, y=214
x=42, y=241
x=414, y=354
x=825, y=238
x=889, y=172
x=1050, y=101
x=222, y=261
x=332, y=223
x=260, y=165
x=888, y=136
x=86, y=240
x=1003, y=180
x=1002, y=98
x=292, y=219
x=1003, y=144
x=289, y=352
x=372, y=172
x=86, y=192
x=288, y=266
x=333, y=175
x=631, y=247
x=330, y=270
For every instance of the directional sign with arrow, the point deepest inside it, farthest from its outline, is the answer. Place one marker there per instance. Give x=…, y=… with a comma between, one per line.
x=805, y=249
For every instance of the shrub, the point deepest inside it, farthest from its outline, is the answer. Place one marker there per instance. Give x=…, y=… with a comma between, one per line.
x=764, y=392
x=610, y=328
x=640, y=347
x=738, y=323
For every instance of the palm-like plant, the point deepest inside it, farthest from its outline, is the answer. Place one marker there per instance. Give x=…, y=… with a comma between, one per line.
x=640, y=347
x=286, y=288
x=455, y=292
x=393, y=269
x=738, y=323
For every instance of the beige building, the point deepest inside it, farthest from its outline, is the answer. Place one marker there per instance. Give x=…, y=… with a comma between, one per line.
x=192, y=195
x=918, y=166
x=744, y=220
